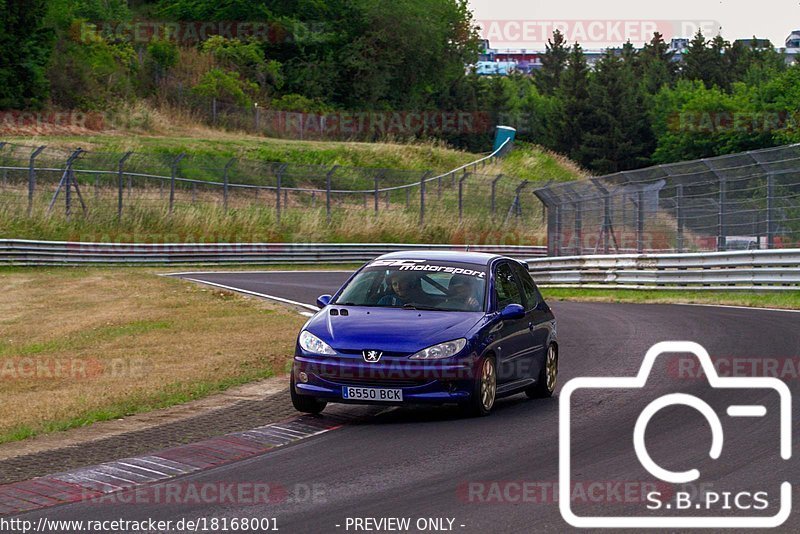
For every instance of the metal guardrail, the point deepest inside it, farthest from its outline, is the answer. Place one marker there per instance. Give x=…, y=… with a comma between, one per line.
x=25, y=252
x=740, y=270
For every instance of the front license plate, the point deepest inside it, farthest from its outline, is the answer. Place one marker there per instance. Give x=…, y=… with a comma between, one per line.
x=372, y=394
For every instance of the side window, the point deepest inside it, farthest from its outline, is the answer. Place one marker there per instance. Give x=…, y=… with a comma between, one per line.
x=528, y=288
x=506, y=287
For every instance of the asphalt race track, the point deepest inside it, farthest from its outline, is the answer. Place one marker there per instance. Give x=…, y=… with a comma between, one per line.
x=498, y=473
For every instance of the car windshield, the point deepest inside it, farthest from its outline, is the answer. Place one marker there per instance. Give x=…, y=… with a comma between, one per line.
x=417, y=284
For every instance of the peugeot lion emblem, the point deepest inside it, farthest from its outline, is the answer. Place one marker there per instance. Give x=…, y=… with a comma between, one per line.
x=372, y=356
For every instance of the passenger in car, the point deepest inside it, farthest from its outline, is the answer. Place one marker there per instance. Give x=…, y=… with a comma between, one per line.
x=462, y=294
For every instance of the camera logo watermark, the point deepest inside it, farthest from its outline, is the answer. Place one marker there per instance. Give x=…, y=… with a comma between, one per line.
x=711, y=501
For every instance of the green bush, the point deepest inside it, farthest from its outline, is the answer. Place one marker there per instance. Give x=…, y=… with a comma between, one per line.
x=225, y=86
x=92, y=76
x=247, y=58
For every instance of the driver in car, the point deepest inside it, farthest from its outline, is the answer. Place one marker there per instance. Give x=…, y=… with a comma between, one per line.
x=406, y=289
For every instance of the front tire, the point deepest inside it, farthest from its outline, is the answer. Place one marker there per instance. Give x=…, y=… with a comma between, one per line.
x=548, y=376
x=303, y=403
x=484, y=390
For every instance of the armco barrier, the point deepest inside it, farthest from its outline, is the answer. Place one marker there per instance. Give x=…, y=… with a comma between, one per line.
x=740, y=270
x=25, y=252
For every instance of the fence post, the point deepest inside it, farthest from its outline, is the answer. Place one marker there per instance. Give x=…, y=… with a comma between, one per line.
x=5, y=171
x=32, y=177
x=518, y=199
x=771, y=211
x=68, y=190
x=640, y=222
x=494, y=195
x=258, y=117
x=377, y=183
x=67, y=181
x=225, y=184
x=408, y=197
x=679, y=201
x=558, y=229
x=578, y=207
x=461, y=197
x=175, y=163
x=422, y=197
x=328, y=192
x=606, y=221
x=121, y=183
x=624, y=211
x=278, y=187
x=214, y=111
x=723, y=193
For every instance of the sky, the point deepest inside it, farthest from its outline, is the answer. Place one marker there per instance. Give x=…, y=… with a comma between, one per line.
x=523, y=23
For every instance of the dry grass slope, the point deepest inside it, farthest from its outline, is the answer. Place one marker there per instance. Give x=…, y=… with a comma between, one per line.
x=82, y=345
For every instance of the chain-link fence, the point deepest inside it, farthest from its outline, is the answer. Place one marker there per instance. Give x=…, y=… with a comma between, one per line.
x=740, y=201
x=52, y=181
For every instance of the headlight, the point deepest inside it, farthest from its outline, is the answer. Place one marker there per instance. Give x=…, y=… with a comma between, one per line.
x=442, y=350
x=311, y=343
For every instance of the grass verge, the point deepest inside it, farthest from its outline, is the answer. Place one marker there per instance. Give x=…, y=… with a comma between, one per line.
x=220, y=144
x=92, y=344
x=789, y=300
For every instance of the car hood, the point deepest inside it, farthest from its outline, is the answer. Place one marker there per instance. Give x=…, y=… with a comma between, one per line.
x=390, y=329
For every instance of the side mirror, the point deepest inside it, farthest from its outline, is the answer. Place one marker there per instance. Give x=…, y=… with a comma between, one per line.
x=512, y=312
x=323, y=300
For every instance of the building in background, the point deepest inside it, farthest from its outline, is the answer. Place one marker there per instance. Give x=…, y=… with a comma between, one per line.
x=505, y=61
x=792, y=50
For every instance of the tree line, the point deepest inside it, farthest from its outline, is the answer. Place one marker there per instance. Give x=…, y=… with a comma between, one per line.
x=630, y=109
x=635, y=108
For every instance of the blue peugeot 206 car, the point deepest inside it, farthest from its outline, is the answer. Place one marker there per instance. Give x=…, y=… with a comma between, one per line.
x=428, y=327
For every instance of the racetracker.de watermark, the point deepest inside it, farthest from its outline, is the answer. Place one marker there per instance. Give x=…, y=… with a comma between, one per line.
x=547, y=491
x=47, y=368
x=191, y=493
x=784, y=368
x=534, y=33
x=714, y=122
x=190, y=33
x=339, y=124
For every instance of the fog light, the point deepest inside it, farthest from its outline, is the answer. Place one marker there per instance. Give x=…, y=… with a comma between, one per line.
x=303, y=377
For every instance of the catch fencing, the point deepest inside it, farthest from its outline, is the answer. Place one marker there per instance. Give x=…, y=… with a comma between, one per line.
x=749, y=200
x=43, y=180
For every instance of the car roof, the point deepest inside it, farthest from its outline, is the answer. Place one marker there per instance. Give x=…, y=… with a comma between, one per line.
x=477, y=258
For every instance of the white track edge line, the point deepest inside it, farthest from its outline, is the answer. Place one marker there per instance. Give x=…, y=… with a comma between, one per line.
x=255, y=294
x=735, y=307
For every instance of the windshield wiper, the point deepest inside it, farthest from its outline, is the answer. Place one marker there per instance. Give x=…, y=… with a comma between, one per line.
x=411, y=306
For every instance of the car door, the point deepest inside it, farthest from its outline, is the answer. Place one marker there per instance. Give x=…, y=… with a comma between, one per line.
x=513, y=337
x=538, y=317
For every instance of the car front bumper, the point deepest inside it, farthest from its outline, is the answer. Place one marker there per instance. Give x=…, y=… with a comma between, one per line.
x=433, y=382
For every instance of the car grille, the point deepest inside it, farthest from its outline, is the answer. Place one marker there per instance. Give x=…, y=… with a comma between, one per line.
x=376, y=382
